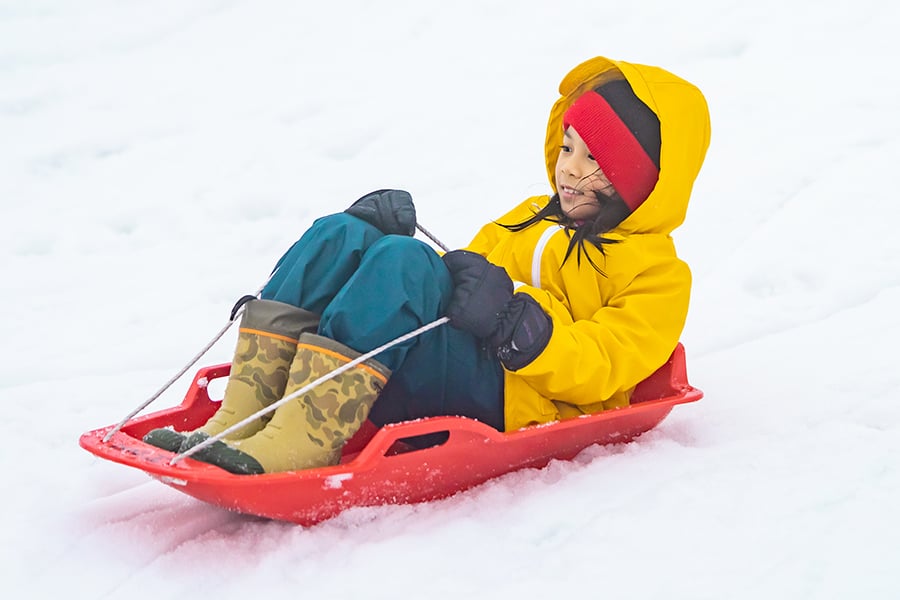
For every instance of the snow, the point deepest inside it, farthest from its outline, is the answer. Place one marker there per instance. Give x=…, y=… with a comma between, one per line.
x=156, y=158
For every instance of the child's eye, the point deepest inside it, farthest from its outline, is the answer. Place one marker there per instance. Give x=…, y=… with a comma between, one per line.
x=591, y=157
x=565, y=148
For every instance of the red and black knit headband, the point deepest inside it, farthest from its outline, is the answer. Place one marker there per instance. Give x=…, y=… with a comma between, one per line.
x=622, y=134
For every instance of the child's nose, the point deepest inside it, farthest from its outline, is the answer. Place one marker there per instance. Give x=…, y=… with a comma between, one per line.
x=576, y=168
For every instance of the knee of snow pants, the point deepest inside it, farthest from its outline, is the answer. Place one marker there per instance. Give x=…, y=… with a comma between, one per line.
x=319, y=264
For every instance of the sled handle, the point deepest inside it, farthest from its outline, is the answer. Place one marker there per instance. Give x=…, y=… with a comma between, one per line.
x=461, y=430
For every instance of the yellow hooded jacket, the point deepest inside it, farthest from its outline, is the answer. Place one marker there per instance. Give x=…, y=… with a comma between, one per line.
x=609, y=332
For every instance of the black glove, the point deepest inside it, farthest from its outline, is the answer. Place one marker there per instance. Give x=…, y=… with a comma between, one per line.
x=391, y=211
x=480, y=291
x=523, y=331
x=483, y=304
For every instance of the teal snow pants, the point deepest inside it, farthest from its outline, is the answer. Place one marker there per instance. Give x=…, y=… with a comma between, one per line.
x=371, y=288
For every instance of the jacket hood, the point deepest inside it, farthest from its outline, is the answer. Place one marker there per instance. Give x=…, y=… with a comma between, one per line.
x=684, y=132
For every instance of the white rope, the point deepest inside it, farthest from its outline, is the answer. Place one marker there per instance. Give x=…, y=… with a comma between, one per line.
x=431, y=237
x=307, y=388
x=168, y=384
x=183, y=370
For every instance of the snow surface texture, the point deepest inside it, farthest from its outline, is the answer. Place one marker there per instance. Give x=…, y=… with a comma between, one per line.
x=157, y=157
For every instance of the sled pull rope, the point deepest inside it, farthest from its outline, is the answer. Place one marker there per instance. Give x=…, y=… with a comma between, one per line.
x=330, y=375
x=431, y=237
x=235, y=313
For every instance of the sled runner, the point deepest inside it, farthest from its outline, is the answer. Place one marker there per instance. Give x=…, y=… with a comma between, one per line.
x=384, y=466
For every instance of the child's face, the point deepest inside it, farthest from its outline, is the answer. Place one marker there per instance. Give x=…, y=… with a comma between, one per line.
x=578, y=178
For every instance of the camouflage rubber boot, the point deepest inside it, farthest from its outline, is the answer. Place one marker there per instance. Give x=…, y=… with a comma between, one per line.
x=267, y=341
x=310, y=430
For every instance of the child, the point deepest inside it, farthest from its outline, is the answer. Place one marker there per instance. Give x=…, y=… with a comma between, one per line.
x=557, y=309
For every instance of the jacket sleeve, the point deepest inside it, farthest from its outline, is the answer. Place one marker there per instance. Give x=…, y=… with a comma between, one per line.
x=589, y=360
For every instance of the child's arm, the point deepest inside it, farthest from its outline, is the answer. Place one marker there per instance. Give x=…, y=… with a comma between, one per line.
x=589, y=360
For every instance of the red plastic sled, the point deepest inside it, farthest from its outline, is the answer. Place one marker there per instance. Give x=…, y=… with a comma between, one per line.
x=377, y=466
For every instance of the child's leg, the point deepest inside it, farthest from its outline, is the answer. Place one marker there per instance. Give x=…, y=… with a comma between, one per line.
x=318, y=265
x=400, y=285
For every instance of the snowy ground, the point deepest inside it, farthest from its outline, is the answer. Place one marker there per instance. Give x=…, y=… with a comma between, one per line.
x=157, y=157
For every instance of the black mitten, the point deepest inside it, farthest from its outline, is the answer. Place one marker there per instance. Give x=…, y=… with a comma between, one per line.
x=480, y=292
x=483, y=303
x=391, y=211
x=523, y=331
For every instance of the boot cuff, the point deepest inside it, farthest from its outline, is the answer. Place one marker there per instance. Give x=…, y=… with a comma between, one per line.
x=321, y=343
x=278, y=318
